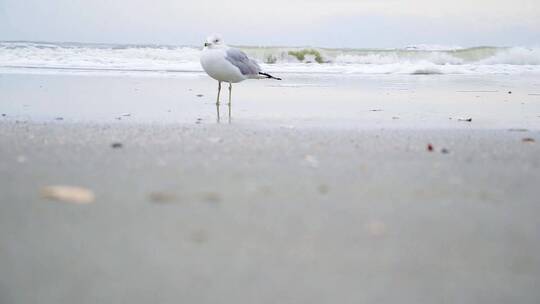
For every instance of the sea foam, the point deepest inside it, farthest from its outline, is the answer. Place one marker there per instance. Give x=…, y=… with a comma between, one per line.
x=24, y=57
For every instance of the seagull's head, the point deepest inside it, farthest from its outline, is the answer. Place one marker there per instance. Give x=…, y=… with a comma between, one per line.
x=214, y=41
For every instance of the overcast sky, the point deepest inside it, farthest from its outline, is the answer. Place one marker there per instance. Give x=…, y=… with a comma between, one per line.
x=331, y=23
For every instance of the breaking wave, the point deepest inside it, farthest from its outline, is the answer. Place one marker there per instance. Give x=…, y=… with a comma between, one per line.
x=36, y=57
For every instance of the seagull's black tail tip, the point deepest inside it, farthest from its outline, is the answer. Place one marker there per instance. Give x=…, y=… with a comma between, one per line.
x=269, y=76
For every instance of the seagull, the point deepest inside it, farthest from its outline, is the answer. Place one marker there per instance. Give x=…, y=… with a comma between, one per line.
x=227, y=64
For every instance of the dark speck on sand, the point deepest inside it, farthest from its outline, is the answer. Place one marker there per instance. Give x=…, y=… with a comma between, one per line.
x=162, y=197
x=211, y=197
x=323, y=189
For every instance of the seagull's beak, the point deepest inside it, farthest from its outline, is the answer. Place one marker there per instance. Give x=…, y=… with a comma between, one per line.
x=206, y=44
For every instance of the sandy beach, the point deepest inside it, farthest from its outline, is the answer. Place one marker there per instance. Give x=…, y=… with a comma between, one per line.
x=374, y=152
x=318, y=189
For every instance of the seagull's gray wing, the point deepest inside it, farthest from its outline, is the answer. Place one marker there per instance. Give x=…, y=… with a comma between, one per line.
x=240, y=60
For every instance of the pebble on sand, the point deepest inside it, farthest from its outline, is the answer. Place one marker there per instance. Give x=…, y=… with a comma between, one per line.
x=116, y=145
x=311, y=161
x=68, y=194
x=214, y=140
x=323, y=189
x=429, y=147
x=528, y=139
x=199, y=236
x=375, y=228
x=211, y=197
x=469, y=119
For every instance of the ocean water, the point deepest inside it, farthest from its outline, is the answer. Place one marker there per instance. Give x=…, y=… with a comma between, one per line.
x=39, y=57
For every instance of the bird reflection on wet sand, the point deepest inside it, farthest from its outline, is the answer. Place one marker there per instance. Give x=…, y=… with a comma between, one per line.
x=228, y=112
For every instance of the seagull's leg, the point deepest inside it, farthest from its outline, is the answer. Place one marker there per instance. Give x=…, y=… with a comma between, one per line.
x=229, y=112
x=217, y=109
x=218, y=91
x=230, y=91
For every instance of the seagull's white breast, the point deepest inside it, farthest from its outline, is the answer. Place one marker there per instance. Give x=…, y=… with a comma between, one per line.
x=218, y=67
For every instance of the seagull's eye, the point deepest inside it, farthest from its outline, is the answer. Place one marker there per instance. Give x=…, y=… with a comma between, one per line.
x=216, y=41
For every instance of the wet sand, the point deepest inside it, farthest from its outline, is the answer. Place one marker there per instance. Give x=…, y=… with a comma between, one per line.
x=349, y=101
x=299, y=201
